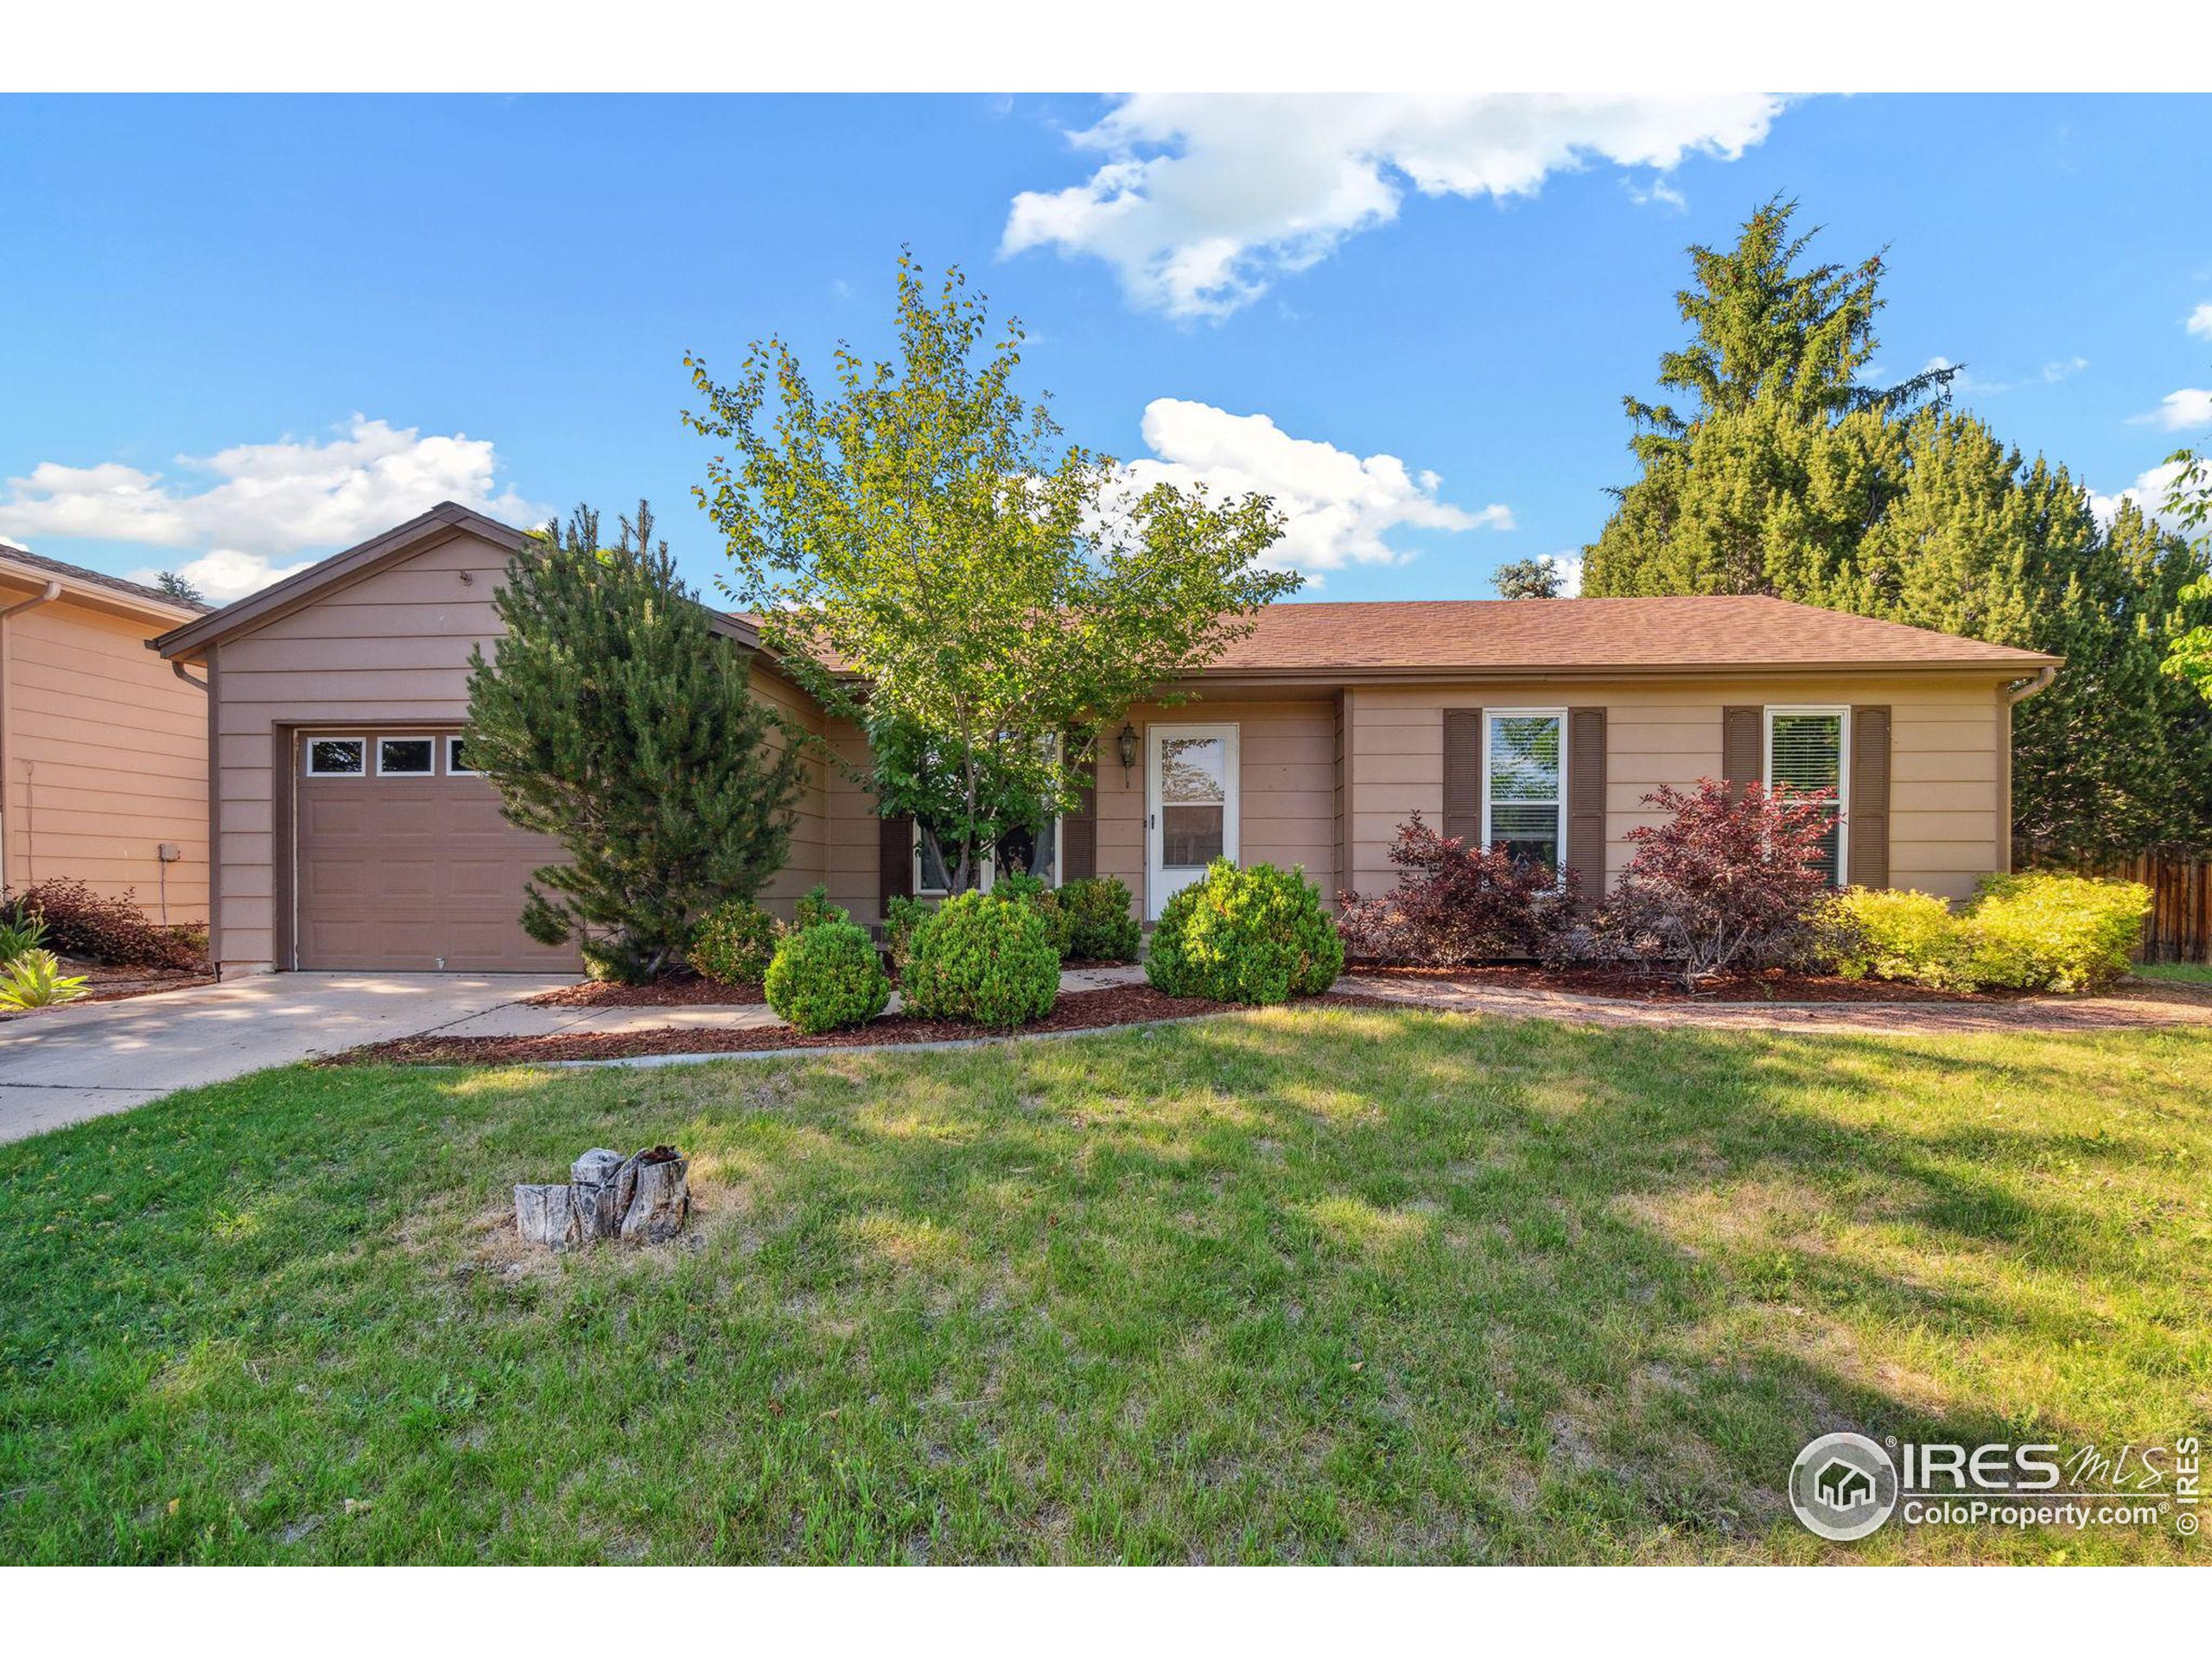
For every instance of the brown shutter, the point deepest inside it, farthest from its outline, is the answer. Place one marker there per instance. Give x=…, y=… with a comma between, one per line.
x=1868, y=831
x=1462, y=774
x=1743, y=748
x=1585, y=798
x=1079, y=837
x=895, y=857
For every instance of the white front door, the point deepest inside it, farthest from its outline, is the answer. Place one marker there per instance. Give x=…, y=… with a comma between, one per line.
x=1190, y=789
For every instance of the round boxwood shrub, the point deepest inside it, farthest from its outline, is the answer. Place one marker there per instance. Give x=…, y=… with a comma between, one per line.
x=1031, y=890
x=827, y=978
x=1254, y=934
x=1100, y=925
x=983, y=958
x=735, y=944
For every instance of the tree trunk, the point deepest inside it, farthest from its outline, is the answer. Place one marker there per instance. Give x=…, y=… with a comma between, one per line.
x=644, y=1198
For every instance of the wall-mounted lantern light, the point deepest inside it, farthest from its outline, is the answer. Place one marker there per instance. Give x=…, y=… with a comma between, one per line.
x=1126, y=745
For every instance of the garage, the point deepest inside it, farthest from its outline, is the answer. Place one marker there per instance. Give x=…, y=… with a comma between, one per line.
x=404, y=863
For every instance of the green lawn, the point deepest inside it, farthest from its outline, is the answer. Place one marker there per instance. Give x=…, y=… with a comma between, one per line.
x=2176, y=973
x=1317, y=1285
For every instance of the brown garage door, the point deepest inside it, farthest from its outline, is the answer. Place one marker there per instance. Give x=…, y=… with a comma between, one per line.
x=404, y=863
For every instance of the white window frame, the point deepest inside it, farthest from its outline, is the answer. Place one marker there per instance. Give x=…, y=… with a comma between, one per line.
x=987, y=872
x=451, y=743
x=1559, y=870
x=1842, y=772
x=309, y=739
x=384, y=738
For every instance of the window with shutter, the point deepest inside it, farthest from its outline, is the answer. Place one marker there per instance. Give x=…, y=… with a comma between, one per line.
x=1525, y=784
x=1805, y=749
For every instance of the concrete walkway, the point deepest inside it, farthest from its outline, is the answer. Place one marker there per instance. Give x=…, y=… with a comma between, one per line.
x=61, y=1065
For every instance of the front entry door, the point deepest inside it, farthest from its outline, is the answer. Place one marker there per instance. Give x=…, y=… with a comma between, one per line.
x=1191, y=800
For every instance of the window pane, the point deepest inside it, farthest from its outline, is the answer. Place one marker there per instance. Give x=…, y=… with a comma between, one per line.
x=933, y=877
x=1192, y=770
x=1190, y=837
x=402, y=756
x=457, y=755
x=1044, y=861
x=335, y=756
x=1524, y=757
x=1807, y=752
x=1530, y=834
x=1828, y=846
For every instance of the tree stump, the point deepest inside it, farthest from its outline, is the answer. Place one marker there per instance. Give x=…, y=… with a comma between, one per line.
x=644, y=1198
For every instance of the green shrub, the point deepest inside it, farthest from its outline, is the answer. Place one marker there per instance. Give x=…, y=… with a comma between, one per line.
x=901, y=915
x=2049, y=931
x=1100, y=925
x=827, y=977
x=735, y=944
x=984, y=959
x=35, y=980
x=2020, y=932
x=815, y=910
x=1031, y=890
x=1881, y=934
x=103, y=928
x=19, y=934
x=1254, y=934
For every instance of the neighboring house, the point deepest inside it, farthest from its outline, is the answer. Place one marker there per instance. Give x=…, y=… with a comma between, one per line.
x=103, y=747
x=353, y=836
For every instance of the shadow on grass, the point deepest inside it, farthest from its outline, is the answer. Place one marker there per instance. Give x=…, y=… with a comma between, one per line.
x=1314, y=1285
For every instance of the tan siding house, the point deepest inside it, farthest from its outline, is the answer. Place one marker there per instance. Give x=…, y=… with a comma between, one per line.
x=103, y=747
x=352, y=835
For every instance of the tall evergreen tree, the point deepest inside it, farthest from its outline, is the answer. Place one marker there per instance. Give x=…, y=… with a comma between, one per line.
x=1787, y=477
x=615, y=720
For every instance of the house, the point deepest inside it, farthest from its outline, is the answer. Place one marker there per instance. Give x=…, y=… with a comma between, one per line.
x=103, y=747
x=353, y=835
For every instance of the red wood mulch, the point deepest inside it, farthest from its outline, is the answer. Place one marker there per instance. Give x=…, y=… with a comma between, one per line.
x=661, y=993
x=1627, y=985
x=1124, y=1004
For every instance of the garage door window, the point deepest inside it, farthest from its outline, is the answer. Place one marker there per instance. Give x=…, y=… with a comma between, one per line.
x=457, y=758
x=406, y=757
x=336, y=757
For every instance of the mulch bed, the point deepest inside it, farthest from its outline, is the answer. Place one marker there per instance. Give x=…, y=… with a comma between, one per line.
x=1124, y=1005
x=104, y=983
x=661, y=993
x=1626, y=985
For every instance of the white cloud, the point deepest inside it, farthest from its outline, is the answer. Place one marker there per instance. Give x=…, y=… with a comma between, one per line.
x=2200, y=321
x=264, y=500
x=226, y=574
x=2190, y=406
x=1966, y=382
x=1569, y=566
x=2148, y=492
x=1340, y=507
x=1203, y=200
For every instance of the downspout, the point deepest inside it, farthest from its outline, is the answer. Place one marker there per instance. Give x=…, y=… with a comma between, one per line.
x=177, y=668
x=46, y=596
x=2015, y=694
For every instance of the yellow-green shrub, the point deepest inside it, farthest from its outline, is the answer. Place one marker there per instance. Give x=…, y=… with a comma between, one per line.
x=2044, y=931
x=2049, y=931
x=1888, y=934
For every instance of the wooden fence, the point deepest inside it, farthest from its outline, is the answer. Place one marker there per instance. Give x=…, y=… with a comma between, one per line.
x=2179, y=926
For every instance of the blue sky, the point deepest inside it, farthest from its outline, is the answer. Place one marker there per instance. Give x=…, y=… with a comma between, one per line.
x=259, y=329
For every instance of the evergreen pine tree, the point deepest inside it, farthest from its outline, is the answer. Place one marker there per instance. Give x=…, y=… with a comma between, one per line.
x=615, y=720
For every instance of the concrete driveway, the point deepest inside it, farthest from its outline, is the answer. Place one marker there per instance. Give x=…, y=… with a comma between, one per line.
x=61, y=1065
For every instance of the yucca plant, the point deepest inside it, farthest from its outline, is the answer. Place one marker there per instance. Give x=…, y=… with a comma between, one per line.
x=20, y=930
x=35, y=980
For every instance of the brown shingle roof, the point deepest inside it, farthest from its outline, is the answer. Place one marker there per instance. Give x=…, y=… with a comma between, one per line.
x=1426, y=637
x=1584, y=634
x=22, y=556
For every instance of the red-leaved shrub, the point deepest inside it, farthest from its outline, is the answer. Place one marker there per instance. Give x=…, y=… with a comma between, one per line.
x=1730, y=882
x=1456, y=903
x=80, y=923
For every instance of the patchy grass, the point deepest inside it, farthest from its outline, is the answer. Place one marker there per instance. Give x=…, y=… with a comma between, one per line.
x=2176, y=973
x=1323, y=1285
